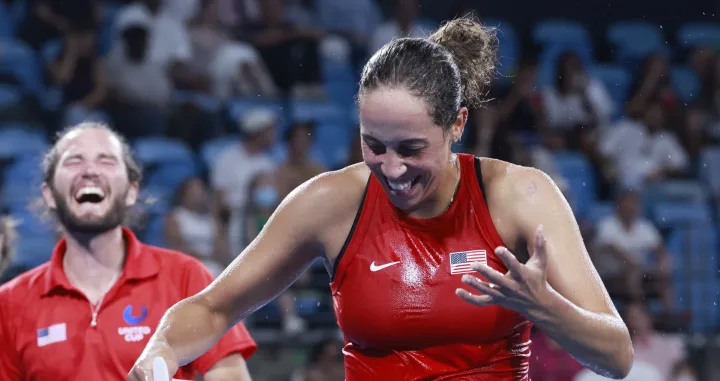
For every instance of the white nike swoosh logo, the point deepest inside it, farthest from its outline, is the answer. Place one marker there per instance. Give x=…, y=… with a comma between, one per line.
x=374, y=268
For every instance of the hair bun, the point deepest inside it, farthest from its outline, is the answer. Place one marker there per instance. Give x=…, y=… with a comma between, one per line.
x=474, y=47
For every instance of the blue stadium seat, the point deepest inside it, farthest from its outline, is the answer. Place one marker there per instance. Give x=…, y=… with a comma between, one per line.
x=9, y=96
x=698, y=34
x=678, y=191
x=156, y=150
x=508, y=47
x=37, y=239
x=7, y=26
x=685, y=82
x=18, y=60
x=708, y=169
x=205, y=102
x=678, y=214
x=16, y=141
x=51, y=50
x=109, y=13
x=24, y=171
x=211, y=149
x=616, y=80
x=581, y=178
x=318, y=111
x=153, y=233
x=550, y=33
x=634, y=40
x=600, y=210
x=332, y=144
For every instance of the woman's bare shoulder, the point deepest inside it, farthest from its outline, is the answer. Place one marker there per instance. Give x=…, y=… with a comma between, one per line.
x=330, y=196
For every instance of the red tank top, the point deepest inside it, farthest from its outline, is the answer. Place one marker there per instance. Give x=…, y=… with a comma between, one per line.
x=394, y=293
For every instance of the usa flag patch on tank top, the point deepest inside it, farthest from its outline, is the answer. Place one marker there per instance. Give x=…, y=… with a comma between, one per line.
x=460, y=261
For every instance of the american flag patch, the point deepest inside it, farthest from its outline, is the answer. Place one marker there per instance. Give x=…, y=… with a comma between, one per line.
x=52, y=334
x=460, y=261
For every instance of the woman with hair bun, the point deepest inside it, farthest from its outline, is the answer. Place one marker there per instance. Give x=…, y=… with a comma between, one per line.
x=419, y=240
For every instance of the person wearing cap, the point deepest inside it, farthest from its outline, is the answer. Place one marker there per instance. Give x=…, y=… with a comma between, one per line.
x=238, y=164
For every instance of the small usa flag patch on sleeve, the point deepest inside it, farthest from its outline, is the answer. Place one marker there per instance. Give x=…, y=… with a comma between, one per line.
x=460, y=261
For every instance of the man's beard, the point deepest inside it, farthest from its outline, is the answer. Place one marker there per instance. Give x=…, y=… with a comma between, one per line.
x=76, y=224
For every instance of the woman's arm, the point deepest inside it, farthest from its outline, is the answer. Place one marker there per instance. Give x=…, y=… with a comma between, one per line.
x=287, y=245
x=576, y=310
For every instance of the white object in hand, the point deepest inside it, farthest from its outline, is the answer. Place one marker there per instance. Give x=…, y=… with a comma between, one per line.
x=160, y=370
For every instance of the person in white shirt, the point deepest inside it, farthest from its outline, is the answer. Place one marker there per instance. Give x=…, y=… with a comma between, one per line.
x=236, y=166
x=199, y=227
x=624, y=245
x=662, y=351
x=169, y=44
x=643, y=150
x=403, y=24
x=576, y=98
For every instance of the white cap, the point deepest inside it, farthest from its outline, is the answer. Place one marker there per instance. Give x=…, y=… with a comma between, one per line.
x=135, y=15
x=257, y=120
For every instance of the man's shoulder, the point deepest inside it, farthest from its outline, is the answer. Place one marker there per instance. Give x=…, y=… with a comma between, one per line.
x=24, y=286
x=175, y=262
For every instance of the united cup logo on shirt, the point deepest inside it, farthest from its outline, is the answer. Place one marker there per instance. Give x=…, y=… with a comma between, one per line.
x=134, y=317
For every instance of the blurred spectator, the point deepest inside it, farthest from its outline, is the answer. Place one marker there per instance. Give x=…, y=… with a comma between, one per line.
x=50, y=19
x=694, y=134
x=709, y=98
x=236, y=166
x=290, y=51
x=520, y=105
x=355, y=20
x=264, y=198
x=683, y=371
x=298, y=167
x=8, y=235
x=640, y=372
x=234, y=67
x=643, y=149
x=325, y=362
x=663, y=352
x=168, y=42
x=140, y=87
x=652, y=84
x=549, y=362
x=576, y=98
x=235, y=15
x=80, y=73
x=623, y=246
x=182, y=10
x=402, y=24
x=198, y=228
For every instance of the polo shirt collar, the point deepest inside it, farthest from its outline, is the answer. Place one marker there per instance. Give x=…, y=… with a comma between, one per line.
x=139, y=263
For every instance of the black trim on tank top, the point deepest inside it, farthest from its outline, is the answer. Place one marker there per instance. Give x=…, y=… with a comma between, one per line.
x=478, y=173
x=352, y=230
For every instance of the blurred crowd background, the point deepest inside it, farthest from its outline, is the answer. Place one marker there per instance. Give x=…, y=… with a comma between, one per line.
x=231, y=104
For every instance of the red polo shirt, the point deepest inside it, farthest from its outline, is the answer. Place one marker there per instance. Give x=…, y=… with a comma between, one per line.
x=45, y=323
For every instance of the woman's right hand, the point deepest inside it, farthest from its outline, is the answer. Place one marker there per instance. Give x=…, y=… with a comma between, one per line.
x=143, y=368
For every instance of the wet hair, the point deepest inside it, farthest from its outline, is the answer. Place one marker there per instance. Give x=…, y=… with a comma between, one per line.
x=7, y=249
x=450, y=69
x=52, y=157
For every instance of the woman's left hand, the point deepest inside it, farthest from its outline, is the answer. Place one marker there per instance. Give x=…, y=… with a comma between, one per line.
x=524, y=288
